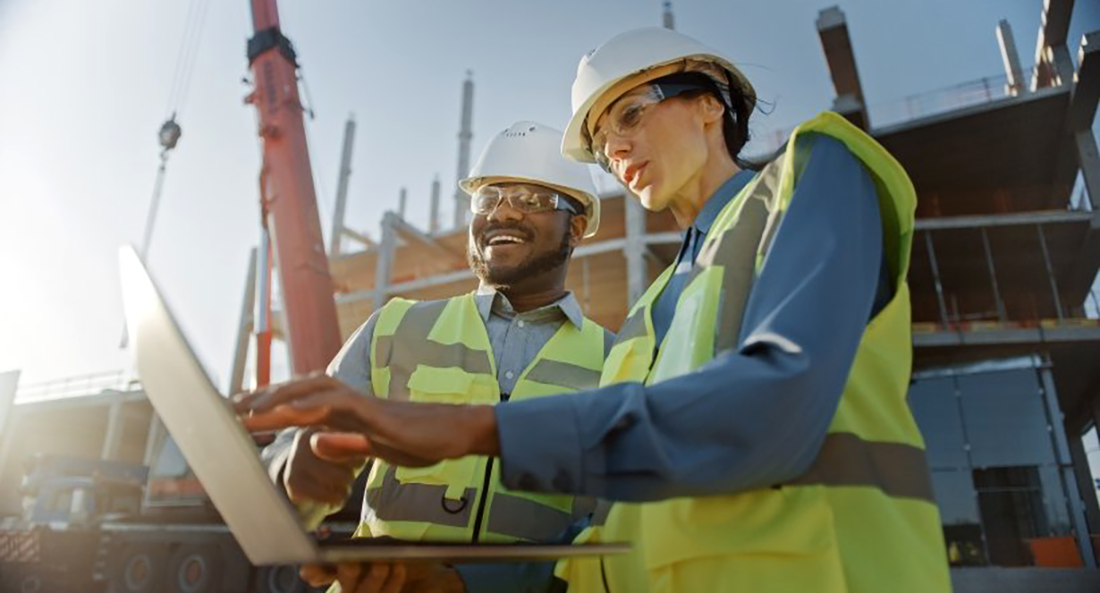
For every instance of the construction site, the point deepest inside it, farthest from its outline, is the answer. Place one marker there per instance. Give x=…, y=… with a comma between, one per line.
x=1006, y=338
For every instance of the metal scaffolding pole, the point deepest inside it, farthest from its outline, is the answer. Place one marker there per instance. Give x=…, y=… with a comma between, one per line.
x=1050, y=273
x=936, y=276
x=1001, y=313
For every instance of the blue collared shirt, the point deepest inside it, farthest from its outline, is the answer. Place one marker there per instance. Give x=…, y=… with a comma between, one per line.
x=753, y=416
x=694, y=237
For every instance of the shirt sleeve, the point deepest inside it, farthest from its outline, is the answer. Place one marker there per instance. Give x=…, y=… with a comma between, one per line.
x=350, y=365
x=753, y=416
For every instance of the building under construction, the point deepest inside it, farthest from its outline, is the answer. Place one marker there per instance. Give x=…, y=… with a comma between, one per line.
x=1006, y=382
x=1006, y=385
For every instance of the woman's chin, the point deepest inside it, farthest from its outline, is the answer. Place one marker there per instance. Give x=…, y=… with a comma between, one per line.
x=650, y=199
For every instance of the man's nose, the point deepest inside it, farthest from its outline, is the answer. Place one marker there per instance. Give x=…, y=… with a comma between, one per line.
x=505, y=212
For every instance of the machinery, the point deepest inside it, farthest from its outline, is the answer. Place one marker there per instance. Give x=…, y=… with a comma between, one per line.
x=138, y=521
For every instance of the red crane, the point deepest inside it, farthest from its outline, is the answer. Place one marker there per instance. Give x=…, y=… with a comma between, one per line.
x=289, y=204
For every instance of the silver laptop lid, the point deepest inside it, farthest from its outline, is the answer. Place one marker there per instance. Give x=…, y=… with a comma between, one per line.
x=205, y=428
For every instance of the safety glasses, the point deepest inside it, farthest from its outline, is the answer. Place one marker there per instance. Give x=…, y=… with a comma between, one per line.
x=524, y=199
x=625, y=115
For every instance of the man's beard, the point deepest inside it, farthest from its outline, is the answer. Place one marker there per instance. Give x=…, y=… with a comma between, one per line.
x=505, y=278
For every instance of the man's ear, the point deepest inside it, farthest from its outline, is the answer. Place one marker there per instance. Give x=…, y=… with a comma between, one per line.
x=577, y=224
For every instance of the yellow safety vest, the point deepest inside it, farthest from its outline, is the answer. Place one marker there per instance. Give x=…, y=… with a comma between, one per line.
x=439, y=352
x=863, y=518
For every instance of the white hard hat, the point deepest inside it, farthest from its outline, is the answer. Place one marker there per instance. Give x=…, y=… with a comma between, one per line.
x=606, y=69
x=529, y=152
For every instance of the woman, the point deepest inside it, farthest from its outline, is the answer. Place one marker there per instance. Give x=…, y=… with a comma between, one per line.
x=751, y=422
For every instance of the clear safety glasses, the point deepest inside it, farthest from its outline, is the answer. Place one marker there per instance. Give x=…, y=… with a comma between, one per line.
x=625, y=115
x=525, y=199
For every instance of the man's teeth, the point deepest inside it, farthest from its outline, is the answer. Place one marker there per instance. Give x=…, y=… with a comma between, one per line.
x=504, y=239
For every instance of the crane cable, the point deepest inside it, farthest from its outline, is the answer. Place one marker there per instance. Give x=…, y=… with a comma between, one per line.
x=185, y=59
x=170, y=131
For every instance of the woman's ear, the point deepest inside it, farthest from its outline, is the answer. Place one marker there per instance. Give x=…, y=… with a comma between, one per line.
x=711, y=108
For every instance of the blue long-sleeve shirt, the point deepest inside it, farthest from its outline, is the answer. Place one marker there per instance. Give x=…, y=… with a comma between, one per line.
x=751, y=417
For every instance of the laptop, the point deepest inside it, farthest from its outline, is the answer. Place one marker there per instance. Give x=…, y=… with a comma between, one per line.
x=224, y=457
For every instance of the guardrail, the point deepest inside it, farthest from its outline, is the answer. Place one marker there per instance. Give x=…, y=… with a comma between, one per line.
x=75, y=386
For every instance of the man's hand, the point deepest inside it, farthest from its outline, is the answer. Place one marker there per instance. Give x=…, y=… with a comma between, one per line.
x=385, y=577
x=318, y=471
x=401, y=433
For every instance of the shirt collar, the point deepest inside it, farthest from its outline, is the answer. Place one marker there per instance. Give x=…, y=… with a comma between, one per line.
x=489, y=301
x=717, y=201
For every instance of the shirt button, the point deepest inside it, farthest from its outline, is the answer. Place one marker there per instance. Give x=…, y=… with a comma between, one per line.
x=521, y=323
x=509, y=374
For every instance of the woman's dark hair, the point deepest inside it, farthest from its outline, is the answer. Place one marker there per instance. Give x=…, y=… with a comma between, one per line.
x=735, y=123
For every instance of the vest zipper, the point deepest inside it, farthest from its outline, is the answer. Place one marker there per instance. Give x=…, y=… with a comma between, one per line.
x=484, y=498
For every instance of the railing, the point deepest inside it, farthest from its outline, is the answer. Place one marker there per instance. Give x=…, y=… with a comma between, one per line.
x=75, y=386
x=934, y=102
x=967, y=94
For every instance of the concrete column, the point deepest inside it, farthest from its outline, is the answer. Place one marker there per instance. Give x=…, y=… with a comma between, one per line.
x=1088, y=157
x=634, y=250
x=832, y=29
x=402, y=203
x=1011, y=58
x=667, y=20
x=1062, y=448
x=153, y=439
x=1084, y=485
x=342, y=187
x=9, y=381
x=1050, y=62
x=116, y=428
x=384, y=264
x=433, y=215
x=244, y=328
x=465, y=136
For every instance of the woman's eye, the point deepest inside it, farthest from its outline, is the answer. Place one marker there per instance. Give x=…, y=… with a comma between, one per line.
x=630, y=116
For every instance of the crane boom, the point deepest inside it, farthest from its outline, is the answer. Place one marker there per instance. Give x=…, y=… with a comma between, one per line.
x=288, y=199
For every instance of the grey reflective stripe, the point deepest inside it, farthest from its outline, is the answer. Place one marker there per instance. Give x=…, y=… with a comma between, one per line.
x=847, y=460
x=633, y=327
x=736, y=250
x=600, y=513
x=564, y=374
x=583, y=506
x=526, y=519
x=394, y=501
x=409, y=346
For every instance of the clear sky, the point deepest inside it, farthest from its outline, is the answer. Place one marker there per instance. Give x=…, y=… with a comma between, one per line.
x=84, y=86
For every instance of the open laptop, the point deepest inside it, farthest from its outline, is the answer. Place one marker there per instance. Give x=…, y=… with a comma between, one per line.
x=223, y=455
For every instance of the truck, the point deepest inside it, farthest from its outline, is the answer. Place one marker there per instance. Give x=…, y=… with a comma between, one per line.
x=94, y=496
x=75, y=521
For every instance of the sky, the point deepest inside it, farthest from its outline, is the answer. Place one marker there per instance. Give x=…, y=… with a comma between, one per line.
x=84, y=87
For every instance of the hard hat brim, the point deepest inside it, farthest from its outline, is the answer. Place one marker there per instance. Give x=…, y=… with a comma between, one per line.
x=575, y=147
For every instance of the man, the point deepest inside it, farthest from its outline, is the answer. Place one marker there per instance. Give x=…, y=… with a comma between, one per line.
x=520, y=336
x=755, y=399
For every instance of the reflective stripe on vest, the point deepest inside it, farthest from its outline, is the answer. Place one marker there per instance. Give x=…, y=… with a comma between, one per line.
x=439, y=351
x=862, y=519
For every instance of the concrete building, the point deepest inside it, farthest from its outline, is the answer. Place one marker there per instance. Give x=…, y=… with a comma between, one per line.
x=1006, y=384
x=1006, y=381
x=1006, y=387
